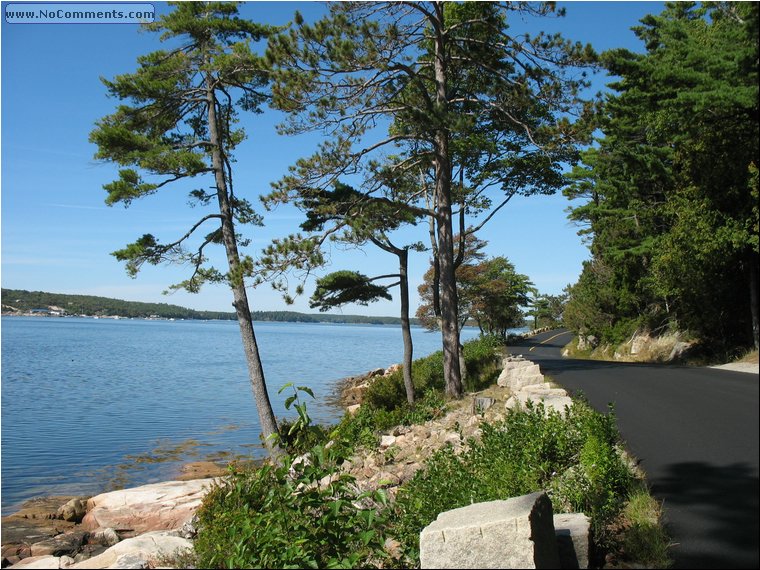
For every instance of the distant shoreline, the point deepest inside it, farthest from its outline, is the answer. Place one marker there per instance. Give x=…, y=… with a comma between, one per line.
x=17, y=302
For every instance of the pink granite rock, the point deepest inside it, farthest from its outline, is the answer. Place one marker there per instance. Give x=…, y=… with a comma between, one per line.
x=158, y=506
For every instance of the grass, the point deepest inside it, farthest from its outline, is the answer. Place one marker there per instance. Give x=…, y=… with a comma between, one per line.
x=642, y=537
x=751, y=357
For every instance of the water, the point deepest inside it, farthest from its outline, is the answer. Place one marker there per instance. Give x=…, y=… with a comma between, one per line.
x=92, y=404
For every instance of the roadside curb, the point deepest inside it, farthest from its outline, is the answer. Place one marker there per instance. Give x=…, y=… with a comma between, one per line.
x=739, y=367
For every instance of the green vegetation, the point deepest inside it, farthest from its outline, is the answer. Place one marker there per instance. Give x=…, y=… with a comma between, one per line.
x=101, y=306
x=670, y=194
x=490, y=292
x=104, y=306
x=477, y=113
x=278, y=517
x=306, y=513
x=645, y=539
x=575, y=458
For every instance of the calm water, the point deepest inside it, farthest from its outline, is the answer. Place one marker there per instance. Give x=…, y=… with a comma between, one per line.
x=91, y=404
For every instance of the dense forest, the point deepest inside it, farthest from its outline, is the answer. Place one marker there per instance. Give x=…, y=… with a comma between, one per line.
x=670, y=190
x=15, y=300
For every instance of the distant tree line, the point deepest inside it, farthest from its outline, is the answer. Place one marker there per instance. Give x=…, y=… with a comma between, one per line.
x=97, y=306
x=90, y=305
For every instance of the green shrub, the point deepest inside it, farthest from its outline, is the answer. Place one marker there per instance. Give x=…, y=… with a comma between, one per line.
x=302, y=513
x=482, y=357
x=574, y=457
x=275, y=517
x=645, y=541
x=481, y=361
x=363, y=429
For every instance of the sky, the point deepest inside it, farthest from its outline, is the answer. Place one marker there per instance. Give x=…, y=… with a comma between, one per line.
x=57, y=233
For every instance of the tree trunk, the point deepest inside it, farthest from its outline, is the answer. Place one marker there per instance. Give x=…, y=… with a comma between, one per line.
x=403, y=258
x=448, y=290
x=753, y=285
x=267, y=418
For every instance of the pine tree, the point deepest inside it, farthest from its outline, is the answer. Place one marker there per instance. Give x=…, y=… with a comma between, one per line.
x=453, y=83
x=177, y=122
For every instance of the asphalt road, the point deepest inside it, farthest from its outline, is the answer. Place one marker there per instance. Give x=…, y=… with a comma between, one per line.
x=695, y=434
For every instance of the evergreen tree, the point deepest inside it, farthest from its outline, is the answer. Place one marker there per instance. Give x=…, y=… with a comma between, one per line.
x=350, y=217
x=453, y=82
x=672, y=188
x=177, y=123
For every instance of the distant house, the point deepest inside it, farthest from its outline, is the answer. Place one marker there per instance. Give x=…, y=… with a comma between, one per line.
x=51, y=312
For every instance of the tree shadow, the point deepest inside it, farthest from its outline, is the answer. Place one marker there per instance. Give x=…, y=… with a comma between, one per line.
x=717, y=508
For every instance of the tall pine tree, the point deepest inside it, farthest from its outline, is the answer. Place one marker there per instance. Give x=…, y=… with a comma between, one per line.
x=178, y=123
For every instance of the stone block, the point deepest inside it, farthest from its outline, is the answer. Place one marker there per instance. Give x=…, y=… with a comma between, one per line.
x=516, y=533
x=544, y=390
x=573, y=531
x=521, y=382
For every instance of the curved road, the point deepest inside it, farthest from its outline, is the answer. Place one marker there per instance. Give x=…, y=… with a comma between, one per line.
x=695, y=434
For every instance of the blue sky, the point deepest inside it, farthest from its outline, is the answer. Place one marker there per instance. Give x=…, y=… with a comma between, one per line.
x=57, y=233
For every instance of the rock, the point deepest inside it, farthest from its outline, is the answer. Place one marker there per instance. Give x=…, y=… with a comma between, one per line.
x=201, y=470
x=189, y=530
x=550, y=402
x=73, y=511
x=391, y=369
x=387, y=441
x=353, y=409
x=452, y=438
x=63, y=544
x=66, y=561
x=158, y=506
x=46, y=561
x=131, y=561
x=543, y=390
x=480, y=405
x=89, y=551
x=573, y=539
x=35, y=521
x=104, y=537
x=679, y=348
x=18, y=550
x=519, y=373
x=516, y=533
x=43, y=507
x=393, y=548
x=148, y=546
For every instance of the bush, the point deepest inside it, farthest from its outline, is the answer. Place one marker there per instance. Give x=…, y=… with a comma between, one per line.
x=482, y=364
x=574, y=457
x=482, y=357
x=645, y=540
x=272, y=517
x=363, y=428
x=303, y=513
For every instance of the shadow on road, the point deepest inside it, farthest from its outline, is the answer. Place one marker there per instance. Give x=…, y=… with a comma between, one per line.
x=732, y=525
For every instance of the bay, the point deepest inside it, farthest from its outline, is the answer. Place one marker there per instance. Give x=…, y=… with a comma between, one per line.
x=89, y=405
